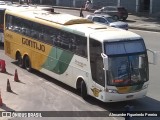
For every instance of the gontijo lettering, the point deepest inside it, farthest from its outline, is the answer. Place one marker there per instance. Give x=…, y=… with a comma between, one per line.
x=33, y=44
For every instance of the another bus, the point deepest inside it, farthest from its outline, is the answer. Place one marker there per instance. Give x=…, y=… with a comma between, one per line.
x=3, y=6
x=1, y=24
x=104, y=62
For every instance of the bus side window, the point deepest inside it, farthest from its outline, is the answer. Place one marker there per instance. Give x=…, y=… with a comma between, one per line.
x=9, y=22
x=96, y=62
x=34, y=30
x=34, y=34
x=46, y=34
x=16, y=24
x=51, y=35
x=25, y=27
x=41, y=36
x=23, y=31
x=81, y=45
x=54, y=40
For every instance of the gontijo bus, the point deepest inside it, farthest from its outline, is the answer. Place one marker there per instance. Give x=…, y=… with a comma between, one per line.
x=106, y=63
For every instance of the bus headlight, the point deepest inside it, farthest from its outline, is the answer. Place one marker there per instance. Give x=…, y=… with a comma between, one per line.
x=112, y=91
x=145, y=86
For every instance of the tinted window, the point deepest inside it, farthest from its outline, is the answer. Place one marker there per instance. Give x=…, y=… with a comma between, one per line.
x=2, y=16
x=124, y=47
x=110, y=9
x=56, y=37
x=96, y=19
x=121, y=9
x=96, y=62
x=102, y=20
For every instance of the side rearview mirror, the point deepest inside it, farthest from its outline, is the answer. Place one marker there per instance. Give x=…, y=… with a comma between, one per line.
x=140, y=62
x=154, y=57
x=105, y=61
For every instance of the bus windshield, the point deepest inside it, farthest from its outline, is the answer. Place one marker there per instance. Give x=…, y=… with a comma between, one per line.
x=128, y=63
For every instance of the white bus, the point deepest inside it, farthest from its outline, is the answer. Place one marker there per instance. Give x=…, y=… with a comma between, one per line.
x=104, y=62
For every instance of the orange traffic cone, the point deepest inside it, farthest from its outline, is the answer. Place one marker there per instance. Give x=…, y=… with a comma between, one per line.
x=2, y=66
x=8, y=86
x=16, y=79
x=1, y=103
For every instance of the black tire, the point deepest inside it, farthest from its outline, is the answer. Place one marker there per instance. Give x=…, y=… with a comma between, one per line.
x=115, y=17
x=83, y=90
x=124, y=19
x=27, y=64
x=20, y=60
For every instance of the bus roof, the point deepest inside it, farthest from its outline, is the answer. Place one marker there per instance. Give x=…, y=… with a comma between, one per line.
x=59, y=18
x=104, y=33
x=75, y=24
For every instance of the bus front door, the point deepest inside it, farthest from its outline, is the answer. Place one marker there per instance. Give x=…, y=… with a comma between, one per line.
x=96, y=63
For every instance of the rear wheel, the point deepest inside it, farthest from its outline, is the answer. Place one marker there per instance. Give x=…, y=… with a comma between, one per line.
x=83, y=90
x=27, y=64
x=124, y=19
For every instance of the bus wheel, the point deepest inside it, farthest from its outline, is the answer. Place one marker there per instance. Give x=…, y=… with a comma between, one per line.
x=83, y=90
x=27, y=64
x=19, y=60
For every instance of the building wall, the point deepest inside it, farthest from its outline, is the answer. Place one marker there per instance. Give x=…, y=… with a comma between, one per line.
x=67, y=3
x=156, y=6
x=100, y=3
x=129, y=4
x=49, y=2
x=79, y=3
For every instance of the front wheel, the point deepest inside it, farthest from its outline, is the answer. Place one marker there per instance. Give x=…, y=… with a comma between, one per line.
x=124, y=19
x=27, y=64
x=83, y=90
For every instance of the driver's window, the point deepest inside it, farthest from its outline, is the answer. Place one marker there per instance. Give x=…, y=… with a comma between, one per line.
x=102, y=20
x=96, y=62
x=95, y=19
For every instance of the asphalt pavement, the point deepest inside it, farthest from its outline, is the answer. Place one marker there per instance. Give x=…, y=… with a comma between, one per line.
x=143, y=22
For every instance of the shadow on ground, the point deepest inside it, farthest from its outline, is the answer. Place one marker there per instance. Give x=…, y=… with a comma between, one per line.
x=6, y=108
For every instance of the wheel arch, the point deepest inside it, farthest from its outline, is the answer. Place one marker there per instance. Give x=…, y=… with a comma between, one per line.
x=78, y=82
x=25, y=55
x=17, y=53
